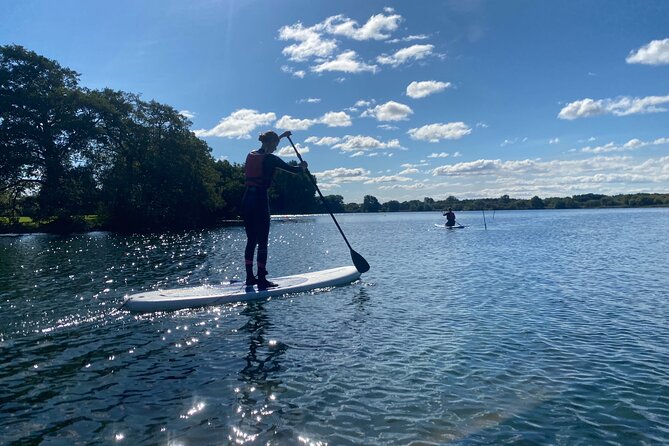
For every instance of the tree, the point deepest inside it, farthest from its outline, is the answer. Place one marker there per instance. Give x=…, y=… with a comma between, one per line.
x=370, y=204
x=536, y=203
x=392, y=206
x=46, y=127
x=335, y=203
x=158, y=173
x=292, y=193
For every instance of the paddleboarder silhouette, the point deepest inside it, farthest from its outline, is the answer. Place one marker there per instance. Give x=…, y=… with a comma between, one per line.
x=259, y=170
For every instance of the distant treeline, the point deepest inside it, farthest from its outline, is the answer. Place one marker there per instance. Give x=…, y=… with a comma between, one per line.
x=72, y=158
x=585, y=201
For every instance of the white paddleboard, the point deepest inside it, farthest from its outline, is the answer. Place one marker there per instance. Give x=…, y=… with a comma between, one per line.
x=450, y=227
x=176, y=299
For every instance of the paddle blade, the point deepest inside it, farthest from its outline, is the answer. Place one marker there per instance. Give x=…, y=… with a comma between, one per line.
x=359, y=261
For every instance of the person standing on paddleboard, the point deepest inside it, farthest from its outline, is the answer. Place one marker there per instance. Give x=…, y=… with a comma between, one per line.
x=450, y=217
x=260, y=167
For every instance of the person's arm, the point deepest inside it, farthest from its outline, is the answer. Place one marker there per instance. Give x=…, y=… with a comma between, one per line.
x=278, y=163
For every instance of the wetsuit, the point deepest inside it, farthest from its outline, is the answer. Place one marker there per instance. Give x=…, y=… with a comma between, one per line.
x=450, y=219
x=259, y=171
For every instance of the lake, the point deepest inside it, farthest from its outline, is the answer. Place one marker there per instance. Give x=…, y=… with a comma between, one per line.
x=548, y=327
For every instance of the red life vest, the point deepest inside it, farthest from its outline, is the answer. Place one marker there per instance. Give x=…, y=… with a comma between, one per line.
x=254, y=170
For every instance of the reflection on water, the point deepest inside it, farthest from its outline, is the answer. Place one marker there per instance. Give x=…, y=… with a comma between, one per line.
x=548, y=327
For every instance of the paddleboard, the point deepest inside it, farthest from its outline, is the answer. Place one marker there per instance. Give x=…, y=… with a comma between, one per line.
x=200, y=296
x=450, y=227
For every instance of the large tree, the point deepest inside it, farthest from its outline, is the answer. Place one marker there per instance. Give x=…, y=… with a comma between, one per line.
x=46, y=127
x=158, y=173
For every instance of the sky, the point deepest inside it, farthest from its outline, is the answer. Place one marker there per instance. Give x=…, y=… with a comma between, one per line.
x=397, y=99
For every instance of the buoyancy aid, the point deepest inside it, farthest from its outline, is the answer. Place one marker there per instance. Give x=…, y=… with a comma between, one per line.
x=254, y=170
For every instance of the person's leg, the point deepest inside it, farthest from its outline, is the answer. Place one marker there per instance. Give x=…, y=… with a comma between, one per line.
x=251, y=228
x=251, y=243
x=263, y=240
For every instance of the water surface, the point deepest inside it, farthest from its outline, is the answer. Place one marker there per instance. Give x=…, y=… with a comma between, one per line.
x=549, y=327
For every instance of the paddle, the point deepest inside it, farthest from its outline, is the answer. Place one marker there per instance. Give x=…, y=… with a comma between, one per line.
x=360, y=263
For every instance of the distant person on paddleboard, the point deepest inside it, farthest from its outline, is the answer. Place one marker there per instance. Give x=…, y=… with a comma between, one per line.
x=260, y=167
x=450, y=218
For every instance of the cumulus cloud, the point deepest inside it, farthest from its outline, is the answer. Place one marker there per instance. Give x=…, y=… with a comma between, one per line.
x=422, y=89
x=409, y=171
x=336, y=119
x=293, y=71
x=355, y=143
x=310, y=42
x=439, y=155
x=632, y=144
x=289, y=152
x=387, y=179
x=331, y=119
x=390, y=111
x=414, y=52
x=239, y=124
x=554, y=141
x=410, y=38
x=324, y=141
x=318, y=42
x=310, y=101
x=187, y=114
x=378, y=27
x=287, y=122
x=343, y=175
x=437, y=132
x=347, y=62
x=654, y=53
x=621, y=106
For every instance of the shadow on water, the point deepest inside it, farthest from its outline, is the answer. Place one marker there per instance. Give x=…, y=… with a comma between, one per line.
x=257, y=397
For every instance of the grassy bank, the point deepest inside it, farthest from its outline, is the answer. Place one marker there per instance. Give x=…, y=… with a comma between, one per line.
x=68, y=224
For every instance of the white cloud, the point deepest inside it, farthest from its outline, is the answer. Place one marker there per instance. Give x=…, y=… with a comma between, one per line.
x=324, y=141
x=187, y=114
x=528, y=177
x=387, y=179
x=632, y=144
x=310, y=101
x=437, y=132
x=287, y=122
x=387, y=127
x=409, y=171
x=289, y=152
x=342, y=175
x=439, y=155
x=554, y=141
x=293, y=71
x=311, y=42
x=239, y=124
x=413, y=186
x=410, y=38
x=621, y=106
x=365, y=143
x=378, y=27
x=654, y=53
x=336, y=119
x=422, y=89
x=364, y=103
x=457, y=155
x=414, y=52
x=347, y=62
x=390, y=111
x=331, y=119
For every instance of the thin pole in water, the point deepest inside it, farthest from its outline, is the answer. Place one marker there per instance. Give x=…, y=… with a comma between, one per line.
x=484, y=223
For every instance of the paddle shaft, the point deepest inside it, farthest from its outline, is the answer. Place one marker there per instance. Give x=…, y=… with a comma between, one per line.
x=325, y=203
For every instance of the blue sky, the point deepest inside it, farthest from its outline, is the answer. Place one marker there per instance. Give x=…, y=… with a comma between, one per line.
x=397, y=99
